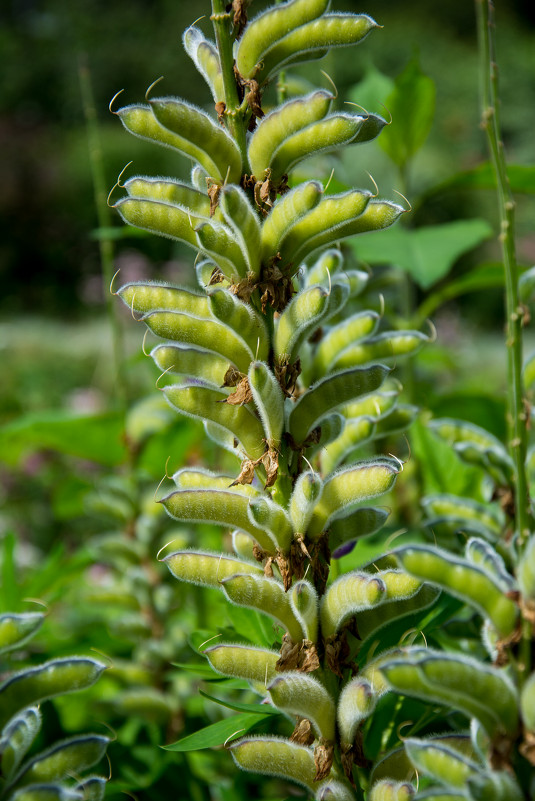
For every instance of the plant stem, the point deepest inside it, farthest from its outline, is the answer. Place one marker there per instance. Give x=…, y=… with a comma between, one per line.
x=516, y=410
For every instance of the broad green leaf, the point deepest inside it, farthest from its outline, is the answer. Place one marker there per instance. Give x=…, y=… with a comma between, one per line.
x=253, y=709
x=372, y=91
x=521, y=178
x=427, y=253
x=217, y=733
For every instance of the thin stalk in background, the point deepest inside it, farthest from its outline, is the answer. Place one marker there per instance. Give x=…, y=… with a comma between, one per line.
x=516, y=407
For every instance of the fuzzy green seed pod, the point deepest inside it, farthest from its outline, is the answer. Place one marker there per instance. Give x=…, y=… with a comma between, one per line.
x=242, y=220
x=354, y=435
x=269, y=516
x=340, y=336
x=302, y=694
x=482, y=553
x=305, y=496
x=464, y=513
x=207, y=569
x=371, y=621
x=218, y=242
x=390, y=790
x=349, y=594
x=298, y=320
x=476, y=446
x=201, y=478
x=204, y=55
x=244, y=662
x=387, y=345
x=275, y=756
x=332, y=790
x=286, y=212
x=191, y=362
x=146, y=297
x=265, y=595
x=160, y=218
x=356, y=703
x=304, y=603
x=15, y=629
x=328, y=264
x=76, y=754
x=243, y=320
x=17, y=738
x=166, y=190
x=269, y=401
x=361, y=523
x=440, y=762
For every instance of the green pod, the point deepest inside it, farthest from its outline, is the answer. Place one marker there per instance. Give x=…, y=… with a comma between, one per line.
x=275, y=756
x=305, y=496
x=202, y=139
x=329, y=393
x=286, y=212
x=397, y=421
x=494, y=785
x=37, y=684
x=243, y=221
x=92, y=788
x=376, y=405
x=71, y=756
x=332, y=790
x=17, y=738
x=164, y=219
x=191, y=362
x=338, y=297
x=526, y=571
x=47, y=792
x=388, y=345
x=527, y=703
x=244, y=662
x=298, y=320
x=220, y=507
x=471, y=583
x=204, y=270
x=242, y=544
x=219, y=243
x=304, y=603
x=442, y=763
x=265, y=30
x=301, y=694
x=468, y=685
x=331, y=428
x=390, y=790
x=207, y=569
x=481, y=553
x=360, y=523
x=143, y=297
x=269, y=401
x=329, y=263
x=341, y=336
x=266, y=595
x=270, y=517
x=243, y=320
x=356, y=703
x=349, y=594
x=351, y=485
x=355, y=433
x=210, y=335
x=204, y=55
x=16, y=629
x=464, y=513
x=371, y=621
x=168, y=191
x=358, y=280
x=283, y=122
x=476, y=445
x=201, y=478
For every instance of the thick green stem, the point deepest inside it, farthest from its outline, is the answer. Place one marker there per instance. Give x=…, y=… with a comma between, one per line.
x=516, y=410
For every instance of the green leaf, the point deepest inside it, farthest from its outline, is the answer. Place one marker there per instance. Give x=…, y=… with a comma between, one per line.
x=485, y=276
x=256, y=709
x=217, y=733
x=372, y=92
x=427, y=253
x=521, y=178
x=412, y=106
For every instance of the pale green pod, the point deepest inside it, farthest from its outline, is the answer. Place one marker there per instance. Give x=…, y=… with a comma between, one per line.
x=461, y=682
x=313, y=39
x=71, y=756
x=298, y=320
x=526, y=571
x=265, y=30
x=204, y=140
x=475, y=444
x=332, y=790
x=371, y=621
x=376, y=405
x=361, y=523
x=286, y=212
x=191, y=362
x=324, y=268
x=496, y=785
x=15, y=628
x=527, y=703
x=243, y=544
x=204, y=55
x=358, y=280
x=306, y=494
x=17, y=738
x=390, y=790
x=211, y=335
x=218, y=242
x=483, y=554
x=471, y=583
x=37, y=684
x=304, y=603
x=266, y=595
x=338, y=297
x=371, y=671
x=47, y=792
x=204, y=270
x=166, y=190
x=223, y=438
x=143, y=297
x=464, y=513
x=351, y=485
x=207, y=569
x=220, y=507
x=387, y=345
x=330, y=429
x=275, y=756
x=243, y=662
x=200, y=178
x=243, y=320
x=301, y=694
x=243, y=221
x=201, y=477
x=399, y=585
x=164, y=219
x=282, y=122
x=269, y=516
x=397, y=421
x=329, y=393
x=437, y=760
x=356, y=433
x=269, y=400
x=92, y=788
x=356, y=703
x=341, y=336
x=348, y=595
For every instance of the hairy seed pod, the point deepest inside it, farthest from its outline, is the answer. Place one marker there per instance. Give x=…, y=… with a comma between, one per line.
x=331, y=428
x=304, y=603
x=340, y=336
x=285, y=213
x=390, y=790
x=526, y=571
x=243, y=320
x=150, y=296
x=207, y=569
x=219, y=243
x=498, y=785
x=305, y=496
x=338, y=297
x=356, y=703
x=476, y=446
x=243, y=544
x=275, y=756
x=269, y=401
x=330, y=392
x=355, y=434
x=191, y=362
x=376, y=405
x=16, y=739
x=324, y=268
x=301, y=694
x=332, y=790
x=464, y=513
x=205, y=270
x=244, y=662
x=269, y=516
x=361, y=523
x=92, y=788
x=74, y=755
x=204, y=55
x=481, y=553
x=387, y=345
x=242, y=220
x=298, y=320
x=440, y=762
x=220, y=507
x=284, y=121
x=348, y=595
x=201, y=478
x=371, y=621
x=15, y=629
x=265, y=30
x=265, y=595
x=166, y=190
x=164, y=219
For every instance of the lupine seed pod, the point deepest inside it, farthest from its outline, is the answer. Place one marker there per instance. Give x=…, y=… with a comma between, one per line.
x=474, y=443
x=200, y=477
x=464, y=513
x=92, y=788
x=324, y=268
x=376, y=405
x=338, y=297
x=16, y=739
x=357, y=281
x=285, y=213
x=73, y=755
x=333, y=790
x=440, y=762
x=387, y=345
x=305, y=496
x=468, y=685
x=356, y=433
x=348, y=486
x=207, y=569
x=527, y=703
x=390, y=790
x=494, y=785
x=301, y=694
x=356, y=703
x=371, y=621
x=298, y=320
x=304, y=603
x=241, y=218
x=180, y=360
x=328, y=393
x=269, y=516
x=146, y=297
x=340, y=336
x=473, y=584
x=200, y=178
x=204, y=55
x=37, y=684
x=265, y=30
x=361, y=523
x=269, y=401
x=221, y=507
x=265, y=595
x=481, y=553
x=331, y=428
x=283, y=122
x=15, y=629
x=275, y=756
x=397, y=421
x=219, y=243
x=526, y=571
x=164, y=219
x=48, y=791
x=349, y=594
x=243, y=320
x=166, y=190
x=243, y=662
